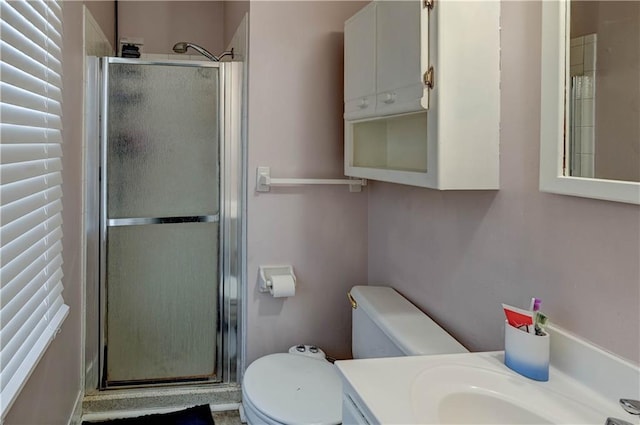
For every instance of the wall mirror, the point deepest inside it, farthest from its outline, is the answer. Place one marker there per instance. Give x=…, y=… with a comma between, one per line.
x=590, y=116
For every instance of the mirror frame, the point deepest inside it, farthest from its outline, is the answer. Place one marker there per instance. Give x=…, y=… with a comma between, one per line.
x=554, y=114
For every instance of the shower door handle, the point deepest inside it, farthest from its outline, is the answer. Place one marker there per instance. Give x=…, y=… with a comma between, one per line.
x=140, y=221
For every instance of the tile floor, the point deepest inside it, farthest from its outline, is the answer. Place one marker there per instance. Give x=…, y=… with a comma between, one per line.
x=228, y=417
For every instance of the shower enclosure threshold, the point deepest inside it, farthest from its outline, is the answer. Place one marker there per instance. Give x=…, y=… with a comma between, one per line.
x=121, y=403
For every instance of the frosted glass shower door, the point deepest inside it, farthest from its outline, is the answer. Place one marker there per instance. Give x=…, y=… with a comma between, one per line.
x=161, y=212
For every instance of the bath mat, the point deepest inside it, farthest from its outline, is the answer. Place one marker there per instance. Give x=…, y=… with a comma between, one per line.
x=197, y=415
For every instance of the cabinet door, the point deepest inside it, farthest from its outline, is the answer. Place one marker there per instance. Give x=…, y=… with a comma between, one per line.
x=360, y=63
x=398, y=57
x=351, y=413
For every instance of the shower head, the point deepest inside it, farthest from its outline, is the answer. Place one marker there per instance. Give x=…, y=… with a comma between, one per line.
x=182, y=47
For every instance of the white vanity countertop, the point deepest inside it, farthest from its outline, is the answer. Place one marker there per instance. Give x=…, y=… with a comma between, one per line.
x=438, y=388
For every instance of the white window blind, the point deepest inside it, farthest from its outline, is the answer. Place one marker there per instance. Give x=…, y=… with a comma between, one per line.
x=31, y=304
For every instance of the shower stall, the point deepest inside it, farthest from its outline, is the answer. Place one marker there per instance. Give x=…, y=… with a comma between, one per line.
x=168, y=222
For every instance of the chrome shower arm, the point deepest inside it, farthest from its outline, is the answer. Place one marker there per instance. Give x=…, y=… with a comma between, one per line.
x=204, y=52
x=182, y=47
x=227, y=53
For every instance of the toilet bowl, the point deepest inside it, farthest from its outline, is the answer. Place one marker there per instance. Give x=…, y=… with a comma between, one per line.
x=302, y=387
x=292, y=389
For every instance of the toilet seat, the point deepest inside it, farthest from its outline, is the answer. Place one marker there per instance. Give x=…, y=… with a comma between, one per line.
x=293, y=389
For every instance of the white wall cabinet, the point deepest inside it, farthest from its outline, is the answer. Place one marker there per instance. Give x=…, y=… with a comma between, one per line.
x=399, y=71
x=400, y=130
x=383, y=60
x=360, y=64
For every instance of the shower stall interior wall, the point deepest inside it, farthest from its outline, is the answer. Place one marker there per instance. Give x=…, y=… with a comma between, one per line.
x=168, y=222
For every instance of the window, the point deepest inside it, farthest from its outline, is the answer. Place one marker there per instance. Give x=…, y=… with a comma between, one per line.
x=31, y=304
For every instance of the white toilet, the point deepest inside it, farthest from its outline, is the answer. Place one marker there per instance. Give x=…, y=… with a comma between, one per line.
x=301, y=387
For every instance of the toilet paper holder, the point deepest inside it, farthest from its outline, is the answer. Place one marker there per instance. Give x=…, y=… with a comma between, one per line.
x=266, y=272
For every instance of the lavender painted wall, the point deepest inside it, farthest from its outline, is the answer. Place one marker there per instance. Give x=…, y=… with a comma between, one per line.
x=164, y=23
x=458, y=255
x=234, y=11
x=104, y=12
x=50, y=393
x=295, y=127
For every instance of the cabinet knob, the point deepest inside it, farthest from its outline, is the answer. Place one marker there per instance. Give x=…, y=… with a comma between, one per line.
x=363, y=103
x=429, y=78
x=390, y=98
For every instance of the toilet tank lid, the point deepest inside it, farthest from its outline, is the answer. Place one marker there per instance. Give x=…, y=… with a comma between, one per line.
x=408, y=327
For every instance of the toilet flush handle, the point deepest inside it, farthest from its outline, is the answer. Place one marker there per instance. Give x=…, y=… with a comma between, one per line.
x=353, y=302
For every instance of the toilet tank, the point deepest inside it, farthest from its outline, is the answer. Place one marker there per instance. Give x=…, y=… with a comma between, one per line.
x=385, y=324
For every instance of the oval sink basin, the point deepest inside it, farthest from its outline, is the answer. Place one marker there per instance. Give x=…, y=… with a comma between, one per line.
x=471, y=408
x=460, y=394
x=477, y=388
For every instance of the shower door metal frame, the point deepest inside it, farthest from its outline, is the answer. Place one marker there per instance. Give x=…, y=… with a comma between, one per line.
x=230, y=218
